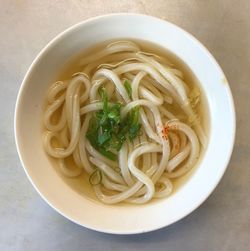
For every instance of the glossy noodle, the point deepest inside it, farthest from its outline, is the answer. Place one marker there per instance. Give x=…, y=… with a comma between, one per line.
x=128, y=121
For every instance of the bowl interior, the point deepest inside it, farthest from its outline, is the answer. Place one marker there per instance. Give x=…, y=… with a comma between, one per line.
x=64, y=197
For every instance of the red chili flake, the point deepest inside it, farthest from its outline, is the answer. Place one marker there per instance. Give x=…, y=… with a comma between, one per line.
x=165, y=130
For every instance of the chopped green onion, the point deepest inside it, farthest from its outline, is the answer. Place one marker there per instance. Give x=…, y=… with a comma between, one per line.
x=107, y=154
x=128, y=88
x=95, y=178
x=102, y=138
x=133, y=131
x=108, y=131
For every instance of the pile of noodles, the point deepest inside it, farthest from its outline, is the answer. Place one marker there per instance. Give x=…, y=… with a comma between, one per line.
x=146, y=166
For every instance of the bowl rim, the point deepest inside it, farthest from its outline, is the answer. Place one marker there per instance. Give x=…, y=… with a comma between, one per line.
x=59, y=37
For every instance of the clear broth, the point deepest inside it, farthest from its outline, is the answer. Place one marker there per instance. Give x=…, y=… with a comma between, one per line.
x=81, y=184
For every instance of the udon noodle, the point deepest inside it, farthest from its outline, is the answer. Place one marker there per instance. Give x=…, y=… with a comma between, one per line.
x=166, y=144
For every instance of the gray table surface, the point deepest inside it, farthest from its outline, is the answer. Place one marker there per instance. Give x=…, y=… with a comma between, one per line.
x=221, y=223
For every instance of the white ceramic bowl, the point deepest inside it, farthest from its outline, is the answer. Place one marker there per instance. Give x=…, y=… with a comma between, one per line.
x=123, y=219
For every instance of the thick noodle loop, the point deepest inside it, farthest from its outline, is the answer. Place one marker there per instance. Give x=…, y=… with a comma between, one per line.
x=169, y=142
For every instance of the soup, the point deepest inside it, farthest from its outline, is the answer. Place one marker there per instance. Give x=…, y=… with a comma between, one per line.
x=129, y=118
